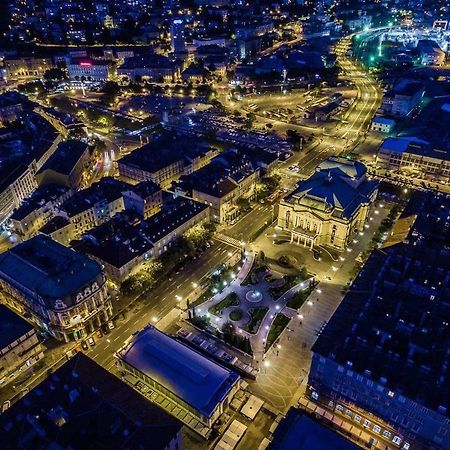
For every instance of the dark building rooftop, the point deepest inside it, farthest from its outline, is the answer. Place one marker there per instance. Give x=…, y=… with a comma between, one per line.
x=65, y=157
x=106, y=189
x=166, y=149
x=395, y=320
x=221, y=175
x=45, y=268
x=297, y=431
x=39, y=198
x=12, y=326
x=82, y=406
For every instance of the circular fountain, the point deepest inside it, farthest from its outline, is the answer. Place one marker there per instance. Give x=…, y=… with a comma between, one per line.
x=253, y=296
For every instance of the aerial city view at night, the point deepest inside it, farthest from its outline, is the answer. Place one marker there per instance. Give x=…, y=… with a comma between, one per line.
x=224, y=224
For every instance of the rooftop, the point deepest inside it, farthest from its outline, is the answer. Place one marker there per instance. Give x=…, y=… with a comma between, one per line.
x=221, y=175
x=83, y=406
x=173, y=214
x=163, y=151
x=195, y=379
x=106, y=189
x=38, y=199
x=12, y=326
x=45, y=268
x=394, y=321
x=65, y=157
x=337, y=186
x=297, y=431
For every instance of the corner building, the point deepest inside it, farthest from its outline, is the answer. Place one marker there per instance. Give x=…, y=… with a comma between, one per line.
x=61, y=291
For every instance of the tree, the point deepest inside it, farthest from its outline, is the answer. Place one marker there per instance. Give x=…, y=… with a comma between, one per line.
x=295, y=138
x=249, y=121
x=55, y=74
x=243, y=203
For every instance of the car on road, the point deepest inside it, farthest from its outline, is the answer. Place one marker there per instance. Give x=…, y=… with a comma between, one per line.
x=111, y=325
x=84, y=346
x=99, y=333
x=91, y=341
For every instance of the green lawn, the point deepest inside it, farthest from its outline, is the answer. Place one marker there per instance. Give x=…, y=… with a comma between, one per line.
x=297, y=300
x=235, y=315
x=278, y=325
x=256, y=317
x=289, y=282
x=230, y=300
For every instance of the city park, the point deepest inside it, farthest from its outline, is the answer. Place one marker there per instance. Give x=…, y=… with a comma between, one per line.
x=250, y=305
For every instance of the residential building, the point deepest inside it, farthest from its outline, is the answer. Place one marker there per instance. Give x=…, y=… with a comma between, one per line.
x=156, y=68
x=12, y=104
x=82, y=405
x=415, y=157
x=60, y=229
x=20, y=346
x=124, y=244
x=26, y=67
x=145, y=198
x=382, y=360
x=165, y=159
x=229, y=177
x=65, y=123
x=94, y=205
x=328, y=207
x=66, y=165
x=299, y=431
x=382, y=124
x=192, y=387
x=403, y=98
x=62, y=292
x=23, y=151
x=37, y=209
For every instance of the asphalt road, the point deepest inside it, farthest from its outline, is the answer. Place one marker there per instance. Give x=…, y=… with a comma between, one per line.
x=159, y=302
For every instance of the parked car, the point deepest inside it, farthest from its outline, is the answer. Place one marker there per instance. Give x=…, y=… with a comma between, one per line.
x=111, y=325
x=84, y=346
x=91, y=341
x=99, y=333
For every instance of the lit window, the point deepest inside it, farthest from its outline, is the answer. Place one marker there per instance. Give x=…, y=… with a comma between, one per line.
x=396, y=440
x=391, y=393
x=376, y=429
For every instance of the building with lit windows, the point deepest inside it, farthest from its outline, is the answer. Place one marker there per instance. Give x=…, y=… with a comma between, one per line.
x=178, y=35
x=61, y=291
x=84, y=69
x=382, y=361
x=20, y=345
x=330, y=206
x=415, y=157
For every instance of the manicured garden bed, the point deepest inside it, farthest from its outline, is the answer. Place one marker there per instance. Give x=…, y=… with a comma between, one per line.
x=256, y=317
x=297, y=300
x=230, y=300
x=278, y=325
x=236, y=315
x=289, y=282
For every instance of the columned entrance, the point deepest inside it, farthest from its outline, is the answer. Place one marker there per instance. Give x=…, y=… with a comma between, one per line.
x=303, y=237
